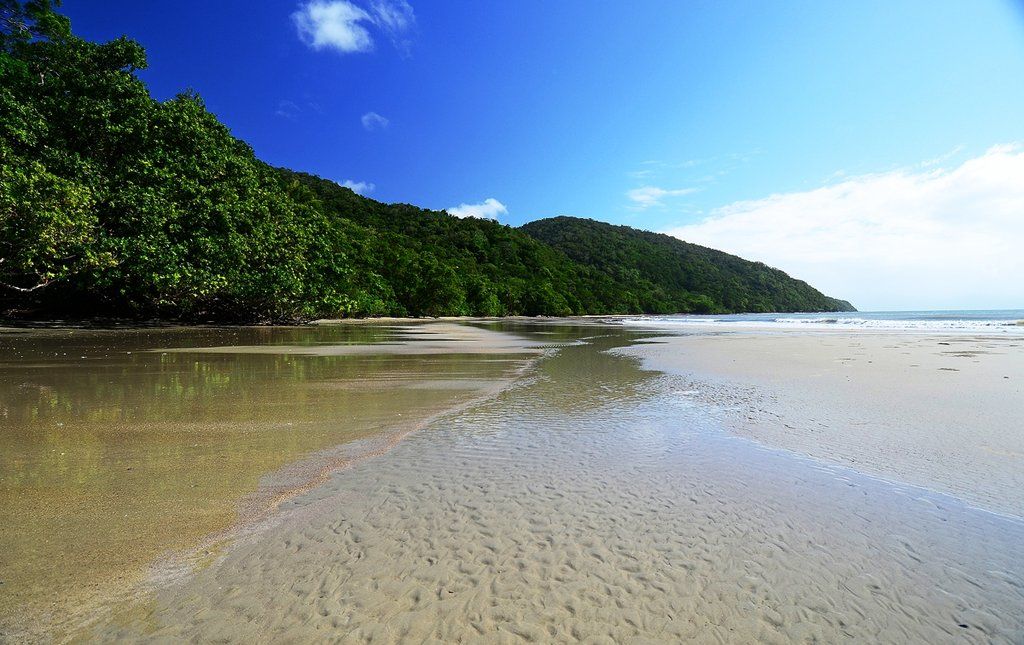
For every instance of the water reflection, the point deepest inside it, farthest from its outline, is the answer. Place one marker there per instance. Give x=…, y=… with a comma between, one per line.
x=113, y=451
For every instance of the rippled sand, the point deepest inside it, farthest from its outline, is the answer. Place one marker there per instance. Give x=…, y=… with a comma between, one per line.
x=596, y=502
x=128, y=454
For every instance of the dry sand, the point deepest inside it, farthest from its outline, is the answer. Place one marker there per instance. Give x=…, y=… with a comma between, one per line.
x=944, y=412
x=596, y=502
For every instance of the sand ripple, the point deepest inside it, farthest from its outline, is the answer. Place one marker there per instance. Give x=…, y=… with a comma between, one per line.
x=588, y=505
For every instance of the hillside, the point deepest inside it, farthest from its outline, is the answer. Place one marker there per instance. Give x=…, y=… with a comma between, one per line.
x=116, y=204
x=667, y=275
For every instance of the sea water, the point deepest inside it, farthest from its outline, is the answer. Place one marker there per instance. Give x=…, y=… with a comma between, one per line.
x=997, y=321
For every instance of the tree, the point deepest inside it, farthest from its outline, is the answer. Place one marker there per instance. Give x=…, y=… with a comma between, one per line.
x=113, y=203
x=21, y=23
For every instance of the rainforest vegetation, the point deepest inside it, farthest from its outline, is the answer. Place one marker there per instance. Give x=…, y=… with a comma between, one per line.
x=667, y=275
x=115, y=204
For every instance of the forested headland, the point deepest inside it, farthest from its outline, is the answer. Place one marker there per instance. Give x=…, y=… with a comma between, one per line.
x=668, y=275
x=114, y=204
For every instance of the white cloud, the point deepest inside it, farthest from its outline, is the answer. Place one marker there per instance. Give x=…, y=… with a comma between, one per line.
x=647, y=196
x=361, y=187
x=490, y=208
x=373, y=121
x=345, y=26
x=922, y=237
x=396, y=18
x=334, y=24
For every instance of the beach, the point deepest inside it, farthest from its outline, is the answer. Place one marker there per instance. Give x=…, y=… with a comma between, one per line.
x=595, y=487
x=128, y=457
x=944, y=411
x=382, y=321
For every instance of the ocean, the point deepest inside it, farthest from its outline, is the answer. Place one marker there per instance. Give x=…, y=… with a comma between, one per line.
x=998, y=321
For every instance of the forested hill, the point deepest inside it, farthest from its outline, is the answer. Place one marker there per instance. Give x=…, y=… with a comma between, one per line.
x=115, y=204
x=668, y=275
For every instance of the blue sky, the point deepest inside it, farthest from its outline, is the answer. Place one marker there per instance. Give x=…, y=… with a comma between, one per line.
x=715, y=121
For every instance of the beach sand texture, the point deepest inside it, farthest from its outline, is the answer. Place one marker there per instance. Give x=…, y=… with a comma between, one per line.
x=941, y=411
x=597, y=502
x=129, y=451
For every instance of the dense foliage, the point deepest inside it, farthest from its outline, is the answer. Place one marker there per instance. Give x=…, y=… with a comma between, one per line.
x=432, y=263
x=667, y=275
x=113, y=203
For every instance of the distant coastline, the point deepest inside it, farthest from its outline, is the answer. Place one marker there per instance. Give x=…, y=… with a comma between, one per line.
x=101, y=322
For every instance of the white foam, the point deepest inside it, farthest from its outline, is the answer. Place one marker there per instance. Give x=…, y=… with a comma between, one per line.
x=942, y=325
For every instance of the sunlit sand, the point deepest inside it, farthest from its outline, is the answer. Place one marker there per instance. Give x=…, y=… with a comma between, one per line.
x=561, y=493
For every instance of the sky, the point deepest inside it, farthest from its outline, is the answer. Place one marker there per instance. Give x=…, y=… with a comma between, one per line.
x=873, y=148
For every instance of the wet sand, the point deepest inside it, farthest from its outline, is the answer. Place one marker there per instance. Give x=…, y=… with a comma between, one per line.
x=568, y=496
x=943, y=412
x=127, y=455
x=598, y=502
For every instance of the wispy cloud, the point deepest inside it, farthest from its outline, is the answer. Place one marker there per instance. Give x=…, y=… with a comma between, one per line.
x=648, y=196
x=712, y=168
x=490, y=208
x=291, y=110
x=935, y=161
x=919, y=237
x=360, y=187
x=346, y=26
x=373, y=121
x=287, y=109
x=397, y=19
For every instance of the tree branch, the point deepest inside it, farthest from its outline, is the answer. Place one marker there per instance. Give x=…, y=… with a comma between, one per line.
x=27, y=289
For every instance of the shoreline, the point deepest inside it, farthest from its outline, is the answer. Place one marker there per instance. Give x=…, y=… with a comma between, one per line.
x=500, y=360
x=588, y=504
x=476, y=499
x=938, y=411
x=158, y=323
x=15, y=326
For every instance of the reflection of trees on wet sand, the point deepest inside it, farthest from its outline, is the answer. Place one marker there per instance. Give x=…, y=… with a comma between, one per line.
x=111, y=454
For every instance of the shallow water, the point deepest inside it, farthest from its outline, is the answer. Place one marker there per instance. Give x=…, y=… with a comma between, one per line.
x=115, y=450
x=1007, y=323
x=598, y=502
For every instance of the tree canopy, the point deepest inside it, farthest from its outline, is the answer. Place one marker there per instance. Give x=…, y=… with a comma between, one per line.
x=668, y=275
